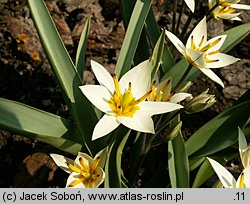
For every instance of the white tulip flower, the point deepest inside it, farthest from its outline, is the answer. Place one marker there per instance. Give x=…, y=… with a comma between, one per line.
x=227, y=179
x=202, y=53
x=227, y=9
x=85, y=172
x=123, y=101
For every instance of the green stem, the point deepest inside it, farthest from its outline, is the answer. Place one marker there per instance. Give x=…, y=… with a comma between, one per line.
x=174, y=16
x=177, y=86
x=168, y=120
x=184, y=30
x=179, y=18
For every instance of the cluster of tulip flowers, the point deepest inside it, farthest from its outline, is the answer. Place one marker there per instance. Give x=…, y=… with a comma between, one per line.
x=136, y=97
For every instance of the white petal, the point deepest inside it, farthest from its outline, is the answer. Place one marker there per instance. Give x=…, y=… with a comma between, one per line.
x=153, y=108
x=246, y=181
x=223, y=60
x=98, y=96
x=233, y=16
x=197, y=58
x=178, y=97
x=103, y=155
x=88, y=160
x=224, y=175
x=240, y=6
x=218, y=45
x=103, y=76
x=105, y=125
x=62, y=162
x=177, y=43
x=190, y=4
x=243, y=148
x=199, y=31
x=210, y=74
x=139, y=77
x=141, y=122
x=73, y=177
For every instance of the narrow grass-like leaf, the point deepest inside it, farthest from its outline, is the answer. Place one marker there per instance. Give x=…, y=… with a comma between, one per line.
x=234, y=36
x=153, y=32
x=81, y=109
x=178, y=162
x=220, y=132
x=113, y=167
x=156, y=58
x=81, y=49
x=40, y=125
x=132, y=36
x=204, y=173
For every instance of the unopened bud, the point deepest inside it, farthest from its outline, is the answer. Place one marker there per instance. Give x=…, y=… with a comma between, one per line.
x=173, y=131
x=200, y=102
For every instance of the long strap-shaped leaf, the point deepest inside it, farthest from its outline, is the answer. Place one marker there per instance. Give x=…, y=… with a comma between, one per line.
x=219, y=133
x=132, y=36
x=234, y=36
x=178, y=162
x=65, y=71
x=81, y=49
x=40, y=125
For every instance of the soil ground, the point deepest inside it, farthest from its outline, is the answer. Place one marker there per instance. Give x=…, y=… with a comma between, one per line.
x=25, y=75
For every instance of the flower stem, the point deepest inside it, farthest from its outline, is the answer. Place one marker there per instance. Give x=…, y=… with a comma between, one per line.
x=168, y=120
x=179, y=18
x=174, y=16
x=177, y=86
x=184, y=30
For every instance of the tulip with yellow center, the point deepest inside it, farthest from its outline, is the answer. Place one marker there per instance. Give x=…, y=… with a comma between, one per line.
x=162, y=92
x=227, y=9
x=123, y=101
x=227, y=179
x=85, y=172
x=202, y=53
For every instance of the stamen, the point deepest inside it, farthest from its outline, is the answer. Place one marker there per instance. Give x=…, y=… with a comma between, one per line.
x=96, y=163
x=117, y=88
x=143, y=97
x=193, y=47
x=84, y=167
x=213, y=52
x=73, y=168
x=211, y=61
x=76, y=182
x=202, y=40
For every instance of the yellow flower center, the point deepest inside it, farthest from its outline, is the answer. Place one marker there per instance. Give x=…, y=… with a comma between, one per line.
x=200, y=48
x=87, y=174
x=161, y=94
x=124, y=104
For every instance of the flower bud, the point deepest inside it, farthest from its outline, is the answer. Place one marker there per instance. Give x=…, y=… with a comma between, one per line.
x=200, y=102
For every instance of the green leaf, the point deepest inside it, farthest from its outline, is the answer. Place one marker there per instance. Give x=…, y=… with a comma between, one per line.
x=204, y=173
x=178, y=162
x=154, y=33
x=219, y=133
x=81, y=109
x=234, y=36
x=156, y=58
x=132, y=37
x=113, y=169
x=40, y=125
x=81, y=49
